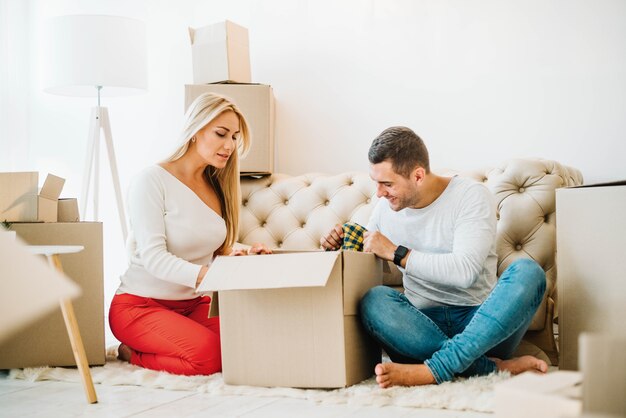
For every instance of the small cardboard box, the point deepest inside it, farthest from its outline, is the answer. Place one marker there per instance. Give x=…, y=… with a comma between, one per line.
x=220, y=52
x=590, y=237
x=20, y=202
x=256, y=102
x=292, y=319
x=529, y=394
x=68, y=210
x=45, y=342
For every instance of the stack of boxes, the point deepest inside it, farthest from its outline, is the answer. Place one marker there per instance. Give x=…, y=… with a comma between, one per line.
x=286, y=319
x=221, y=64
x=41, y=218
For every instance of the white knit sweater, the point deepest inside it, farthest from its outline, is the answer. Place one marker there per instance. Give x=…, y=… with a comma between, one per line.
x=453, y=259
x=172, y=234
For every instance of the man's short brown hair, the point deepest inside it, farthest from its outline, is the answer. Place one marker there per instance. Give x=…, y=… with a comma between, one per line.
x=402, y=147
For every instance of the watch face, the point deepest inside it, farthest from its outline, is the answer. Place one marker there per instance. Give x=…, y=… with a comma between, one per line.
x=399, y=254
x=401, y=251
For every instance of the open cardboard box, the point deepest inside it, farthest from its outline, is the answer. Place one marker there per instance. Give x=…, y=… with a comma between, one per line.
x=20, y=202
x=291, y=319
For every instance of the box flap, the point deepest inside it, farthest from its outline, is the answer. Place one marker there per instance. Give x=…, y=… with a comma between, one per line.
x=52, y=187
x=208, y=34
x=271, y=271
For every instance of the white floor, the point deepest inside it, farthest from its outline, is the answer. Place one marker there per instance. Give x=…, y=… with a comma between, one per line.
x=60, y=399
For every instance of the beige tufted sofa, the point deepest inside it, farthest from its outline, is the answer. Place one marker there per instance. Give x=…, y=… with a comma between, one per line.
x=294, y=212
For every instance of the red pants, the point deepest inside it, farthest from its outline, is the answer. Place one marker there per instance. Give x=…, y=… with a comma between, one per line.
x=176, y=336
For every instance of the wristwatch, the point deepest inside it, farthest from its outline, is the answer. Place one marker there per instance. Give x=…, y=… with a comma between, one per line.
x=399, y=254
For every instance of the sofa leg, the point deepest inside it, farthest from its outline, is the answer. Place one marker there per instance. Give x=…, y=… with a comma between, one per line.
x=544, y=338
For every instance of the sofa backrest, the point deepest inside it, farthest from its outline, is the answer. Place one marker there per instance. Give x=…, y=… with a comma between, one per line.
x=293, y=212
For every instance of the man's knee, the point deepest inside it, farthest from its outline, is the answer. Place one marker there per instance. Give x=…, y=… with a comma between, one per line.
x=374, y=297
x=531, y=273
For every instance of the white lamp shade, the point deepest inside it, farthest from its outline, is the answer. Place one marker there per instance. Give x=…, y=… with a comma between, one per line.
x=85, y=51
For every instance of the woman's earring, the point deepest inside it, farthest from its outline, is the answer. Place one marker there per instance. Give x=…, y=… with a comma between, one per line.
x=193, y=139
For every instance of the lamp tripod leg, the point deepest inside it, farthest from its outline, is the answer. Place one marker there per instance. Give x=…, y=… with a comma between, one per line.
x=106, y=126
x=92, y=142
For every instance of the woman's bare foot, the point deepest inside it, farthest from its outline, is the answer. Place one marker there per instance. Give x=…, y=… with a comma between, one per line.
x=124, y=352
x=521, y=364
x=395, y=374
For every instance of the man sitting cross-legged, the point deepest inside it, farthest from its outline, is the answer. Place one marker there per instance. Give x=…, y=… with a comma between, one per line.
x=455, y=317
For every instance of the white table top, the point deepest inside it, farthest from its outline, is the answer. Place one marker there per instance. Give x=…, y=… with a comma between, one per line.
x=54, y=249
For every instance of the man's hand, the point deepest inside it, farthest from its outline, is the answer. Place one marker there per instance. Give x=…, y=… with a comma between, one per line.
x=377, y=243
x=332, y=240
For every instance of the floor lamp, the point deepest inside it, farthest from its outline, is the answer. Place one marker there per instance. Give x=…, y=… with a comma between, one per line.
x=92, y=55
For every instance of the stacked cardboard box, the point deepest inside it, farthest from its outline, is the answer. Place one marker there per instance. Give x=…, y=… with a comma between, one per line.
x=221, y=64
x=45, y=342
x=256, y=102
x=20, y=200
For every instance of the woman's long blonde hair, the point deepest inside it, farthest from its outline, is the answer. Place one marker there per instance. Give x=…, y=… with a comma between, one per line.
x=225, y=181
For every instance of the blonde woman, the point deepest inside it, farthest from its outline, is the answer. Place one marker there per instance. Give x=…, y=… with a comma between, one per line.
x=183, y=212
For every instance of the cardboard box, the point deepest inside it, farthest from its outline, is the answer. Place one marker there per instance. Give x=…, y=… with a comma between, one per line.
x=292, y=319
x=20, y=202
x=45, y=342
x=591, y=238
x=68, y=210
x=220, y=52
x=603, y=364
x=256, y=102
x=529, y=394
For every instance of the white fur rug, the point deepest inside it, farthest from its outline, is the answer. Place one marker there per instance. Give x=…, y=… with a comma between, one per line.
x=474, y=394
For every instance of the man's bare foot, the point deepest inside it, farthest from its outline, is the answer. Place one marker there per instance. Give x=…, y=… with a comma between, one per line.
x=124, y=352
x=396, y=374
x=521, y=364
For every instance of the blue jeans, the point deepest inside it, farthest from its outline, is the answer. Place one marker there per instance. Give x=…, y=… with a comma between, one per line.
x=456, y=340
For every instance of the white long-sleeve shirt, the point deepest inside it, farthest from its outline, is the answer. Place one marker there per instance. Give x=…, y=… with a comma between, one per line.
x=172, y=234
x=453, y=259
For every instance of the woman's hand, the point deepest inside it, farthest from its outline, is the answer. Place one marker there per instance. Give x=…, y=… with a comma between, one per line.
x=259, y=248
x=201, y=275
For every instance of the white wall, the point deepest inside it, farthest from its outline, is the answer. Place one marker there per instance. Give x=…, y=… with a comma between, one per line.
x=481, y=81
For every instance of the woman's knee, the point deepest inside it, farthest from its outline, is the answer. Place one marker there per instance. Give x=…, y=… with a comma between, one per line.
x=205, y=357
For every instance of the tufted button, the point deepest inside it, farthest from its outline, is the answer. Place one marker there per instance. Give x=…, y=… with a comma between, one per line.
x=269, y=185
x=518, y=247
x=286, y=202
x=351, y=182
x=521, y=190
x=368, y=200
x=263, y=224
x=245, y=203
x=303, y=224
x=279, y=243
x=326, y=203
